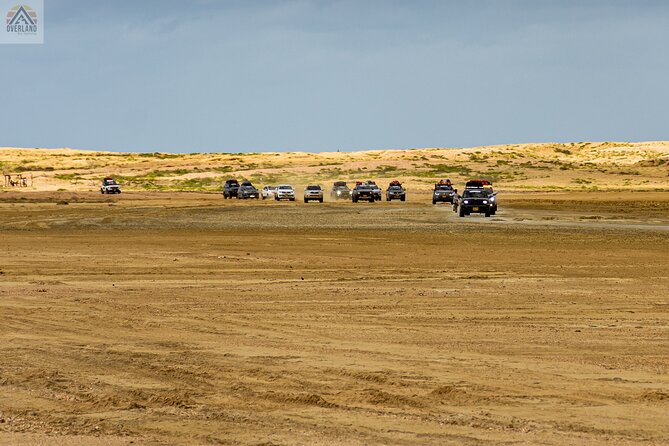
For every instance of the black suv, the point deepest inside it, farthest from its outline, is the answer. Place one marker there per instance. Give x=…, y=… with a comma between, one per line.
x=443, y=193
x=474, y=201
x=395, y=190
x=230, y=189
x=487, y=186
x=246, y=190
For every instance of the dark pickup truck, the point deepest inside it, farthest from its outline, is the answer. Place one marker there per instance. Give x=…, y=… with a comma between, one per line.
x=362, y=192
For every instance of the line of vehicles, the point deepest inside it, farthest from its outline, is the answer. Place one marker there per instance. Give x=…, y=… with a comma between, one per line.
x=478, y=196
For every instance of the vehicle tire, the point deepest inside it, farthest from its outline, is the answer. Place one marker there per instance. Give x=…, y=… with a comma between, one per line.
x=320, y=200
x=434, y=201
x=276, y=198
x=371, y=200
x=462, y=212
x=403, y=198
x=355, y=200
x=291, y=199
x=487, y=214
x=102, y=192
x=306, y=201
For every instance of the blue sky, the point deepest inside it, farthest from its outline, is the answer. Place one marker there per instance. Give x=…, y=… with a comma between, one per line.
x=196, y=76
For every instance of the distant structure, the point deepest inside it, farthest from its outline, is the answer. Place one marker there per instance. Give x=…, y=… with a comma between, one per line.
x=17, y=180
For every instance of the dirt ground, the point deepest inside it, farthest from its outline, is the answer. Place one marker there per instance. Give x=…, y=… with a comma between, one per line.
x=183, y=318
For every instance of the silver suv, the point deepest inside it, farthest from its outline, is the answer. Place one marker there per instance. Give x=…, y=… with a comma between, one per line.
x=313, y=192
x=284, y=192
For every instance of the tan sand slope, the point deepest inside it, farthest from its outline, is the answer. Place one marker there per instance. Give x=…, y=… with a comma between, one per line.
x=573, y=166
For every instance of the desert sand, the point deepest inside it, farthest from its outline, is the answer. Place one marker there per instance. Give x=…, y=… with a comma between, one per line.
x=546, y=167
x=162, y=316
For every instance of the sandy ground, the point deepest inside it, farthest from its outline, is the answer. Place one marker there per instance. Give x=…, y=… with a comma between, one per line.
x=181, y=318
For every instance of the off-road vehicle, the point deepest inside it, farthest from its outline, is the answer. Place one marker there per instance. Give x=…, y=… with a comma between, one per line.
x=268, y=192
x=474, y=201
x=362, y=192
x=487, y=186
x=340, y=191
x=313, y=192
x=284, y=192
x=230, y=188
x=443, y=192
x=109, y=186
x=378, y=194
x=246, y=190
x=395, y=191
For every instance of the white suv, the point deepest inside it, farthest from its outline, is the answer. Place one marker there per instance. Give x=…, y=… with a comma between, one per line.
x=285, y=192
x=268, y=192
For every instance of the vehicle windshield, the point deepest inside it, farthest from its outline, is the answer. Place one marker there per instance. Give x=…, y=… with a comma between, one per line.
x=475, y=193
x=395, y=187
x=247, y=187
x=233, y=183
x=110, y=183
x=313, y=188
x=340, y=184
x=363, y=187
x=285, y=188
x=443, y=187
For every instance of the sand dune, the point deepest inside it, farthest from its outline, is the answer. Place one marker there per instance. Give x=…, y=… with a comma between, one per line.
x=573, y=166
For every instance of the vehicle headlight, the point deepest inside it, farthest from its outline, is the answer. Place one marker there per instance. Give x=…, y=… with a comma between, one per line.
x=466, y=202
x=485, y=201
x=492, y=199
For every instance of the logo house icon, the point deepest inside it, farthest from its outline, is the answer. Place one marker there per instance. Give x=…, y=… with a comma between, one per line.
x=22, y=19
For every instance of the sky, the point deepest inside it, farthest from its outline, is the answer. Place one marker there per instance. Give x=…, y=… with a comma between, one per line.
x=299, y=75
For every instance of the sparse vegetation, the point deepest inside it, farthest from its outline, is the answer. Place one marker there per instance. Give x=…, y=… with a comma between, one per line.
x=68, y=176
x=602, y=165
